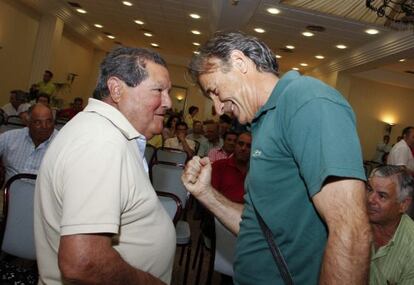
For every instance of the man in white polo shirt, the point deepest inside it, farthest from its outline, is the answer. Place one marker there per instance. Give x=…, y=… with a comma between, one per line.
x=400, y=153
x=97, y=218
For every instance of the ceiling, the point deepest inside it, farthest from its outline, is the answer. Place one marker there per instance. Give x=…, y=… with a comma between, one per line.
x=171, y=26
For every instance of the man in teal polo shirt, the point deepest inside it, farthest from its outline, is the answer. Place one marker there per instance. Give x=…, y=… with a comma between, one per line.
x=306, y=173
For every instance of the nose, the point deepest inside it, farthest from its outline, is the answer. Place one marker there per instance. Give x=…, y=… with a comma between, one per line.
x=218, y=105
x=166, y=100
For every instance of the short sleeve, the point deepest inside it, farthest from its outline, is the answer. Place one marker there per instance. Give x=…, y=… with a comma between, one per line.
x=92, y=193
x=324, y=143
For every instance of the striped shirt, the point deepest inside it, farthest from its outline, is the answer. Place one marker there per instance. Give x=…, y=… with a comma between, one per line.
x=19, y=154
x=218, y=153
x=394, y=262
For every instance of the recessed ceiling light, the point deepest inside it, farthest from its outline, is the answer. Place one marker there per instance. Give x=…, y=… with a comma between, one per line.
x=259, y=30
x=278, y=56
x=196, y=52
x=295, y=68
x=80, y=10
x=195, y=32
x=127, y=3
x=319, y=56
x=273, y=11
x=372, y=31
x=155, y=45
x=111, y=37
x=196, y=44
x=290, y=47
x=139, y=22
x=402, y=60
x=195, y=16
x=147, y=34
x=308, y=34
x=304, y=64
x=341, y=46
x=98, y=26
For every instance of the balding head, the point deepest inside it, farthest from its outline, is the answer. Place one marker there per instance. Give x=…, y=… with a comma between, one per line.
x=41, y=124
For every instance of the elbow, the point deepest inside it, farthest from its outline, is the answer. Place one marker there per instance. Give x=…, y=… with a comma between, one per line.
x=74, y=268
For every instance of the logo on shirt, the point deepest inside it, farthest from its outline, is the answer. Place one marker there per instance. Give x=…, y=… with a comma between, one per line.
x=256, y=153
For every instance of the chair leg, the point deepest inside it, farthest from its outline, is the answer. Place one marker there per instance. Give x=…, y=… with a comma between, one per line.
x=180, y=262
x=187, y=263
x=200, y=264
x=197, y=251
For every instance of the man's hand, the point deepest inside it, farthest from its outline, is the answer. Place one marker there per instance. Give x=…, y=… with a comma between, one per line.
x=197, y=176
x=181, y=137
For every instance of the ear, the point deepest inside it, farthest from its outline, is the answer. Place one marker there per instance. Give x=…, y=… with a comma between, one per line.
x=405, y=205
x=239, y=60
x=115, y=86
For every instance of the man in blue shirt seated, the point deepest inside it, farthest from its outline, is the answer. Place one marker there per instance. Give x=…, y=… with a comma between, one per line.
x=22, y=150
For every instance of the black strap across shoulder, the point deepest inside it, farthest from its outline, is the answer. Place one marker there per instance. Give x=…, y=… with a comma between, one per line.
x=275, y=250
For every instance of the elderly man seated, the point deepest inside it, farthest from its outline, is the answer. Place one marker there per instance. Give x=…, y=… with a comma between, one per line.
x=389, y=193
x=22, y=150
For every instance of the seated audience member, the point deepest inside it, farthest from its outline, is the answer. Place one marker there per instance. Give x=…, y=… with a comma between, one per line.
x=229, y=142
x=17, y=103
x=169, y=130
x=382, y=148
x=69, y=113
x=22, y=150
x=224, y=124
x=213, y=139
x=197, y=134
x=180, y=141
x=43, y=98
x=46, y=85
x=389, y=195
x=155, y=141
x=400, y=153
x=228, y=174
x=189, y=118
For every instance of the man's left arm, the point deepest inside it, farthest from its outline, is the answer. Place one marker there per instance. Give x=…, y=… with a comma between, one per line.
x=341, y=203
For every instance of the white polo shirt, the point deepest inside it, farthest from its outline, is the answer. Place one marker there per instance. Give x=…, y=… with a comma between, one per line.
x=92, y=180
x=400, y=154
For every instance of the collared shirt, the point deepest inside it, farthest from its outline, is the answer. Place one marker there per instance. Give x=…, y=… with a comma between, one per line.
x=19, y=153
x=207, y=146
x=48, y=88
x=303, y=134
x=218, y=153
x=401, y=154
x=93, y=179
x=228, y=179
x=11, y=111
x=394, y=262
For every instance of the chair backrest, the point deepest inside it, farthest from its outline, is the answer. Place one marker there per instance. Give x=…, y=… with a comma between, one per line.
x=166, y=177
x=172, y=204
x=165, y=154
x=149, y=153
x=225, y=248
x=18, y=237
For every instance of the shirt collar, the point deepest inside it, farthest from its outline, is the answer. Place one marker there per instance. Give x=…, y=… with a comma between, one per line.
x=115, y=116
x=277, y=91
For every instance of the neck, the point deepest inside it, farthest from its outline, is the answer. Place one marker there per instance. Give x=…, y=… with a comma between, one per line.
x=383, y=233
x=264, y=90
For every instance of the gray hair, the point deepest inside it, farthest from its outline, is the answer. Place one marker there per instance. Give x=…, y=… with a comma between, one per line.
x=401, y=176
x=128, y=64
x=221, y=46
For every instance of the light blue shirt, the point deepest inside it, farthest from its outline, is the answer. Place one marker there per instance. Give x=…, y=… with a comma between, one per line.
x=142, y=143
x=19, y=153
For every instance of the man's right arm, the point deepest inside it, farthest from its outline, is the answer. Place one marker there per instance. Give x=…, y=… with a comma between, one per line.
x=197, y=180
x=90, y=259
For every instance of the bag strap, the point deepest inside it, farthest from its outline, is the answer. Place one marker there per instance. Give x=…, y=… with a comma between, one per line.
x=275, y=250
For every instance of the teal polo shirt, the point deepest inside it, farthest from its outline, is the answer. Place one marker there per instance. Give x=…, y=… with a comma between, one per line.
x=303, y=134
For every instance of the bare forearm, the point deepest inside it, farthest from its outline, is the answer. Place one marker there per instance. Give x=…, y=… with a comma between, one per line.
x=100, y=266
x=347, y=257
x=228, y=212
x=187, y=148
